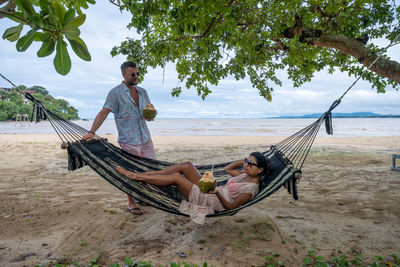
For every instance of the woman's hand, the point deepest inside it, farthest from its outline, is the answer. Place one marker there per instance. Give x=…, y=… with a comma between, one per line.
x=233, y=168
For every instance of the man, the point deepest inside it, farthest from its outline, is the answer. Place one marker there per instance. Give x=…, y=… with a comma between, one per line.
x=127, y=101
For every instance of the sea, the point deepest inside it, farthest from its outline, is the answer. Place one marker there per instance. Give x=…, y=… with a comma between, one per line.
x=342, y=127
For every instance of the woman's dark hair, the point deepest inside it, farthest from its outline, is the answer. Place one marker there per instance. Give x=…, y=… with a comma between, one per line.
x=262, y=162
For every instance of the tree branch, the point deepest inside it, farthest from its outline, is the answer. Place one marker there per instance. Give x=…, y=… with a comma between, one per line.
x=115, y=4
x=12, y=15
x=385, y=67
x=280, y=45
x=27, y=21
x=349, y=46
x=10, y=6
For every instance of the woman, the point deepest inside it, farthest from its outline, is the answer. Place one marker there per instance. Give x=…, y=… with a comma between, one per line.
x=238, y=190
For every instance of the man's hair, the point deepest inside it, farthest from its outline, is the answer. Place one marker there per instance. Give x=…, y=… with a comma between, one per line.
x=127, y=64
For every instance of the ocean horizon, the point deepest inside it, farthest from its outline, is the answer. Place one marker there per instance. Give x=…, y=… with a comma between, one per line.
x=342, y=127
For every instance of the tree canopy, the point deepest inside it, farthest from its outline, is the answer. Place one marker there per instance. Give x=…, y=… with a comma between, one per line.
x=209, y=40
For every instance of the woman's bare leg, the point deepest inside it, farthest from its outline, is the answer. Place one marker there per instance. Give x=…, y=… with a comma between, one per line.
x=184, y=185
x=188, y=170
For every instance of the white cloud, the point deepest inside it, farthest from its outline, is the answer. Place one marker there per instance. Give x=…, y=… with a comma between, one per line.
x=74, y=102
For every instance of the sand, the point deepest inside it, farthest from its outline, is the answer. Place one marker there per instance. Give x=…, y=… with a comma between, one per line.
x=349, y=202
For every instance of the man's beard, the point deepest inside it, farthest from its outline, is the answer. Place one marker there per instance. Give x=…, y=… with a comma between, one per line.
x=130, y=83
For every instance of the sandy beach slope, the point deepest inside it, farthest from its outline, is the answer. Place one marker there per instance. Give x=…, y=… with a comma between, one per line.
x=349, y=201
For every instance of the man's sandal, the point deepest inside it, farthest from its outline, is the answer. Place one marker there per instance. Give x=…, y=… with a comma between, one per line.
x=135, y=211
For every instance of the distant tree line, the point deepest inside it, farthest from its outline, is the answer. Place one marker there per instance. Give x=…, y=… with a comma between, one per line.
x=13, y=103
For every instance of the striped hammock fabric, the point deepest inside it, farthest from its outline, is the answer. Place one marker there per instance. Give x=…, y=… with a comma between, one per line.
x=103, y=157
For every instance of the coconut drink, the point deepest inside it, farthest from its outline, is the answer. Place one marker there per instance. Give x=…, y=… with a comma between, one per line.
x=207, y=182
x=149, y=112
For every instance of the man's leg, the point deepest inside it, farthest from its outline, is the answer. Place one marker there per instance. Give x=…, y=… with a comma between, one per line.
x=134, y=150
x=147, y=150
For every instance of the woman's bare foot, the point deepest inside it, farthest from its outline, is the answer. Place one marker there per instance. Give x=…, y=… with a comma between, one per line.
x=126, y=172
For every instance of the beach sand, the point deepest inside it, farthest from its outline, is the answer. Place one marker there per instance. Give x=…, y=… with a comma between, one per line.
x=349, y=202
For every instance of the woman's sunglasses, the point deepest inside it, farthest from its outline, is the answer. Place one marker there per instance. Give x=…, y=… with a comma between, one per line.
x=249, y=162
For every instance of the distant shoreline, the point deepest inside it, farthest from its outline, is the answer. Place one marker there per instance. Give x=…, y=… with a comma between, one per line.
x=337, y=117
x=342, y=115
x=266, y=118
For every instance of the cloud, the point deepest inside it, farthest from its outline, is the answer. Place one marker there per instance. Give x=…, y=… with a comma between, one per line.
x=74, y=102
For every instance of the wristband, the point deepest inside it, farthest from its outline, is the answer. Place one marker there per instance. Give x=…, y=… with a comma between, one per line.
x=92, y=132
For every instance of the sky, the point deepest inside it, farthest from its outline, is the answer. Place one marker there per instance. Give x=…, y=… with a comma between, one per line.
x=88, y=83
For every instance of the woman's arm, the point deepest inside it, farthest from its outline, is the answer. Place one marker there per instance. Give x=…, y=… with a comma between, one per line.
x=239, y=201
x=232, y=168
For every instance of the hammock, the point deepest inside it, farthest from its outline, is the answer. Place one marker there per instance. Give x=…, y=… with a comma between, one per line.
x=287, y=158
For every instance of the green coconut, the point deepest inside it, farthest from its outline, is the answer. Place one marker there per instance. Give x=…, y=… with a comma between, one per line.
x=207, y=182
x=149, y=112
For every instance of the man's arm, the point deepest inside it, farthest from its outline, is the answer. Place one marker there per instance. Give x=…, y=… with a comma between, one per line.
x=98, y=121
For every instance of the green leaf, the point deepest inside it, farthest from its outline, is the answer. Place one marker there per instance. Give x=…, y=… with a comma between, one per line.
x=12, y=33
x=34, y=22
x=24, y=42
x=60, y=11
x=83, y=4
x=62, y=61
x=70, y=31
x=80, y=49
x=38, y=37
x=52, y=16
x=47, y=47
x=27, y=7
x=69, y=16
x=79, y=20
x=44, y=5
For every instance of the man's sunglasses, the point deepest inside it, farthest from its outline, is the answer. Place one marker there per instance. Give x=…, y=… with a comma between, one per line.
x=135, y=74
x=249, y=162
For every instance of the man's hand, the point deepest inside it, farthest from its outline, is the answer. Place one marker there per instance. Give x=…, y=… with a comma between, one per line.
x=89, y=136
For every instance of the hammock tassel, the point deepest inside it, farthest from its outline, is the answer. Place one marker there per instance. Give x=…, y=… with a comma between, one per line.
x=327, y=117
x=74, y=161
x=328, y=123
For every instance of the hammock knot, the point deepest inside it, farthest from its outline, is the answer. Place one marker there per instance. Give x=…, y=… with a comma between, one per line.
x=334, y=105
